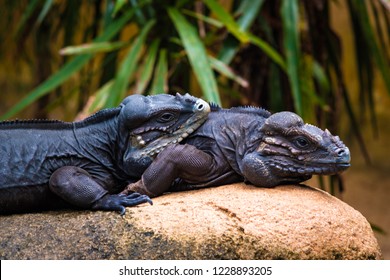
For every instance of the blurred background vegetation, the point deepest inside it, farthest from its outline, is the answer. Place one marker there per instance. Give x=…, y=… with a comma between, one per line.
x=67, y=59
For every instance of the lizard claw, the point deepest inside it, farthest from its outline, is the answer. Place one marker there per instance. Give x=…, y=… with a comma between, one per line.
x=119, y=202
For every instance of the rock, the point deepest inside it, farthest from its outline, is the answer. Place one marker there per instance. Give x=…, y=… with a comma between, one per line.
x=229, y=222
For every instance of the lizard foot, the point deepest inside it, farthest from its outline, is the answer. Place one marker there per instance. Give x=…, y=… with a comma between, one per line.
x=119, y=202
x=137, y=187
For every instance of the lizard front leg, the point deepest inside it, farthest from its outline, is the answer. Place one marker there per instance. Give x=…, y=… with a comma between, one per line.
x=77, y=187
x=175, y=161
x=262, y=172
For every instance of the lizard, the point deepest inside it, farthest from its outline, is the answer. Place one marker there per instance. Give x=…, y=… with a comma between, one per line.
x=46, y=164
x=245, y=144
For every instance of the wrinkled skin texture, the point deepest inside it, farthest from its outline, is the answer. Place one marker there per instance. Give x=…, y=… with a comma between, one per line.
x=245, y=144
x=50, y=164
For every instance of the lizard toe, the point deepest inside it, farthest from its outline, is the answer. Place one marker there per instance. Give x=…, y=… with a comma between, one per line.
x=117, y=202
x=130, y=200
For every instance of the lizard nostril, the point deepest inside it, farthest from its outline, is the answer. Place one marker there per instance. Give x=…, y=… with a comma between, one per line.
x=341, y=152
x=343, y=155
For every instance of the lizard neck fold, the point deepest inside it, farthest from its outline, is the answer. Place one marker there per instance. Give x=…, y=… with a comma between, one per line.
x=237, y=134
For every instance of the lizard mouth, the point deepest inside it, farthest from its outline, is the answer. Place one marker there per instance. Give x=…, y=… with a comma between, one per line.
x=296, y=166
x=344, y=165
x=314, y=168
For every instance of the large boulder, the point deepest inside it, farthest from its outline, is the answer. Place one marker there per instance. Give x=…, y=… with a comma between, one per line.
x=229, y=222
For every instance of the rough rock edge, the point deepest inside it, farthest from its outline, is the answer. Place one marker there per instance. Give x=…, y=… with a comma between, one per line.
x=144, y=234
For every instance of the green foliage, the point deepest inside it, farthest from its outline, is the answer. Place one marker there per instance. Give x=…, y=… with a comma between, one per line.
x=128, y=67
x=197, y=55
x=161, y=74
x=289, y=12
x=68, y=69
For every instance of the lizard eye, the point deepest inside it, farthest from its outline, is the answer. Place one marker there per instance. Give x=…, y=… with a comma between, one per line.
x=301, y=142
x=166, y=117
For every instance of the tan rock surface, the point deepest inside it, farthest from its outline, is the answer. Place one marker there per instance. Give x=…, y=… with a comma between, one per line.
x=229, y=222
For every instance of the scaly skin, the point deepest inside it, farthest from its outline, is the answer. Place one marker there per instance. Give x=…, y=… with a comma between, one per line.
x=47, y=164
x=245, y=144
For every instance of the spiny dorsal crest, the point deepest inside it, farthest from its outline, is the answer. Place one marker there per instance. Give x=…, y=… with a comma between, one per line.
x=214, y=106
x=34, y=123
x=251, y=110
x=100, y=116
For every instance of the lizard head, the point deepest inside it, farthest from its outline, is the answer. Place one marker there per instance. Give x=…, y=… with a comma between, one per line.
x=153, y=122
x=292, y=151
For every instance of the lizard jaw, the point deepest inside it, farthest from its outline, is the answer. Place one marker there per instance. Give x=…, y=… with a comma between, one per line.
x=156, y=146
x=297, y=168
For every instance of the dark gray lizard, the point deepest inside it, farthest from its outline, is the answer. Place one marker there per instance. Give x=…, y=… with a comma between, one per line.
x=245, y=144
x=46, y=164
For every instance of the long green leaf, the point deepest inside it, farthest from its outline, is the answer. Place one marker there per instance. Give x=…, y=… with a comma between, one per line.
x=364, y=61
x=96, y=101
x=227, y=20
x=51, y=83
x=32, y=5
x=68, y=69
x=222, y=68
x=268, y=50
x=197, y=55
x=100, y=97
x=128, y=67
x=368, y=53
x=308, y=70
x=139, y=15
x=381, y=35
x=247, y=11
x=110, y=60
x=45, y=9
x=379, y=58
x=92, y=48
x=147, y=69
x=208, y=20
x=320, y=76
x=289, y=12
x=118, y=6
x=275, y=90
x=160, y=81
x=240, y=34
x=226, y=71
